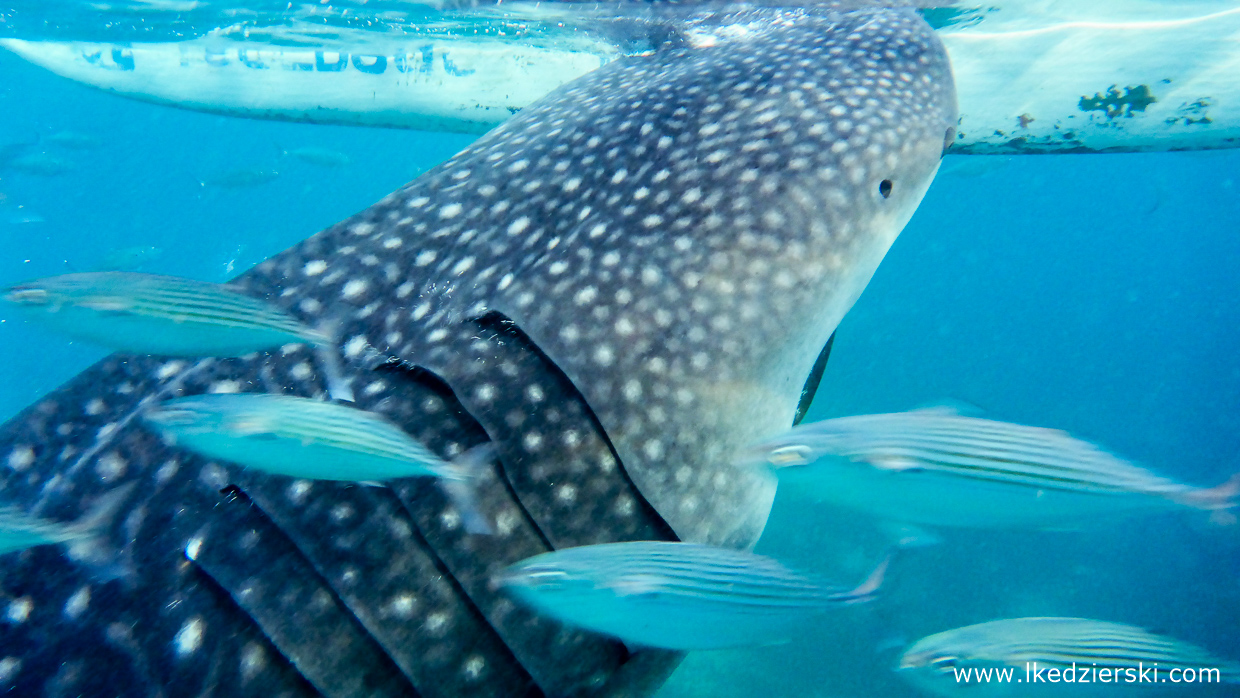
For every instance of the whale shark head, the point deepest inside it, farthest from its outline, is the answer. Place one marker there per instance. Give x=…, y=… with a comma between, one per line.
x=619, y=288
x=681, y=233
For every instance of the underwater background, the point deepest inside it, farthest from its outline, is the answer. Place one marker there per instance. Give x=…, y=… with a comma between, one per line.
x=1094, y=293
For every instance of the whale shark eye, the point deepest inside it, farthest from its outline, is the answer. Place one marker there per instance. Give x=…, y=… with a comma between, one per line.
x=884, y=188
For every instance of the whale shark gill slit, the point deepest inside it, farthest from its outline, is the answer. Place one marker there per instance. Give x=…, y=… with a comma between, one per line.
x=593, y=482
x=813, y=380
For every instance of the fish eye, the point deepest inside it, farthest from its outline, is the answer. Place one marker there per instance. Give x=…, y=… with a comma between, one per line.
x=942, y=663
x=884, y=188
x=790, y=455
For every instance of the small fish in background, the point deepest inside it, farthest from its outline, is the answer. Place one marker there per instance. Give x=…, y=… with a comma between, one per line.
x=1080, y=654
x=170, y=316
x=321, y=157
x=41, y=164
x=314, y=440
x=21, y=531
x=24, y=217
x=679, y=596
x=130, y=258
x=12, y=151
x=74, y=140
x=240, y=178
x=936, y=467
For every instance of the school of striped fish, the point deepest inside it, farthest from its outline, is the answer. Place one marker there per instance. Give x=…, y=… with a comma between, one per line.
x=928, y=467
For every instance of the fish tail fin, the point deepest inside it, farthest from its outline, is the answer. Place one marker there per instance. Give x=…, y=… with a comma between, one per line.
x=462, y=488
x=338, y=387
x=87, y=532
x=1218, y=500
x=867, y=589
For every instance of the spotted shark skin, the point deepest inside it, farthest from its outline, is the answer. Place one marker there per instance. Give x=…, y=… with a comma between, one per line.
x=617, y=287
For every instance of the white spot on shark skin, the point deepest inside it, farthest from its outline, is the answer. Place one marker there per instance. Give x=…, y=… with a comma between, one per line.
x=437, y=623
x=450, y=520
x=298, y=491
x=111, y=466
x=105, y=431
x=473, y=667
x=314, y=267
x=166, y=471
x=253, y=660
x=9, y=666
x=402, y=606
x=506, y=522
x=225, y=387
x=485, y=393
x=603, y=355
x=164, y=372
x=189, y=638
x=362, y=228
x=653, y=449
x=20, y=458
x=192, y=548
x=354, y=288
x=532, y=441
x=76, y=605
x=519, y=226
x=425, y=257
x=566, y=493
x=342, y=512
x=450, y=210
x=355, y=346
x=632, y=391
x=19, y=610
x=463, y=266
x=301, y=370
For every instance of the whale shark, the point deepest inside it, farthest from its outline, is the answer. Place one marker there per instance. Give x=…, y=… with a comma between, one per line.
x=616, y=288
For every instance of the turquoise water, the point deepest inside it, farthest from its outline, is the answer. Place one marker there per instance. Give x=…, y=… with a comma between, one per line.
x=1097, y=294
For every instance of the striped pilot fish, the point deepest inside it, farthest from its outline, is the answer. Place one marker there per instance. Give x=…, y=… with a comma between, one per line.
x=939, y=468
x=314, y=440
x=168, y=316
x=681, y=596
x=1037, y=656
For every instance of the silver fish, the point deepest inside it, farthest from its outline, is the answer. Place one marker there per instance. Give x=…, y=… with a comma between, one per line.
x=1022, y=656
x=168, y=316
x=939, y=468
x=41, y=164
x=323, y=157
x=312, y=440
x=680, y=596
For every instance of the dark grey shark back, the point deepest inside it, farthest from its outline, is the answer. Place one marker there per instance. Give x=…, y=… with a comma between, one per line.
x=617, y=287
